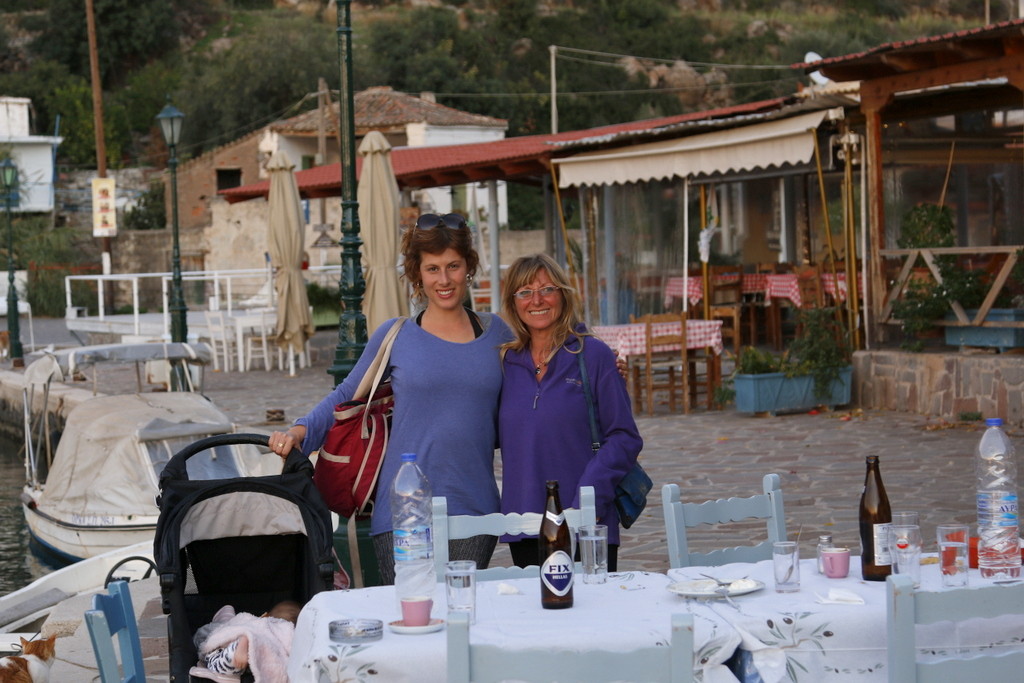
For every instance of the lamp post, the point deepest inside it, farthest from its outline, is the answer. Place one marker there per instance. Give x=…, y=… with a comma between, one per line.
x=9, y=180
x=170, y=123
x=352, y=322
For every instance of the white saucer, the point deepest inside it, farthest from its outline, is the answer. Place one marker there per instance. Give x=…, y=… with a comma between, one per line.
x=400, y=628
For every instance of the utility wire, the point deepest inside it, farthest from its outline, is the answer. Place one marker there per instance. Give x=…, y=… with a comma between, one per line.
x=559, y=48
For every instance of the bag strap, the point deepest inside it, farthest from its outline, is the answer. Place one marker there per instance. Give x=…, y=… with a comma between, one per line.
x=374, y=373
x=595, y=438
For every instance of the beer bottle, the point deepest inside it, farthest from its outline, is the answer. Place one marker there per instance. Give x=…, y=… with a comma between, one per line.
x=875, y=517
x=556, y=566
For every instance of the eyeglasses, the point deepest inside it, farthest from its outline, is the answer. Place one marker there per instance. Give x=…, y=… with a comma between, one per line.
x=429, y=221
x=545, y=292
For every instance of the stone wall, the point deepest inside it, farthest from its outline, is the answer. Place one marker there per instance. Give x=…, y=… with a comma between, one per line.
x=942, y=385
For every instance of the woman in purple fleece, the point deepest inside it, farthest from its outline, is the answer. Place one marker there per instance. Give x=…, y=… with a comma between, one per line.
x=543, y=426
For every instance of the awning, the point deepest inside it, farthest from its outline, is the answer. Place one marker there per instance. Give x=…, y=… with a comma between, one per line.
x=762, y=145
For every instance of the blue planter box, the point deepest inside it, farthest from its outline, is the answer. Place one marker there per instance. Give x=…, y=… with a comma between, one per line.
x=776, y=393
x=1000, y=337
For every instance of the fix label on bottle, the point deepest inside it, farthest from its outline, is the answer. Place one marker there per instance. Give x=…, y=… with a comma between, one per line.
x=556, y=572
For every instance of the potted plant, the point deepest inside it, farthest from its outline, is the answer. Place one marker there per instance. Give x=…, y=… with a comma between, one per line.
x=814, y=371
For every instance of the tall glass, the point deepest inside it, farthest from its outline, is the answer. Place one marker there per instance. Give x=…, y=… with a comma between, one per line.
x=951, y=540
x=905, y=544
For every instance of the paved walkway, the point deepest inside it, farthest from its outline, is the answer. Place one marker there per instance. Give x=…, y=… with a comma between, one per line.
x=926, y=465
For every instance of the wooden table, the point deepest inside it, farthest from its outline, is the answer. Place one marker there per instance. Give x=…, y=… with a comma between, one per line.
x=772, y=285
x=630, y=339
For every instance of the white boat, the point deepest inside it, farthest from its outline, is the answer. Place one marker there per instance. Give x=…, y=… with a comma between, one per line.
x=98, y=491
x=23, y=611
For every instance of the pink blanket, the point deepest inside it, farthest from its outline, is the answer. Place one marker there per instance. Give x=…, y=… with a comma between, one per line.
x=270, y=642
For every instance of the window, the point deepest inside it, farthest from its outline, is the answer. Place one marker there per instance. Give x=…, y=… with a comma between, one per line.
x=228, y=178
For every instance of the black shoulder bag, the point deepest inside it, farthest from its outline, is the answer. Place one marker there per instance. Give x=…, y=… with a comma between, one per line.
x=631, y=492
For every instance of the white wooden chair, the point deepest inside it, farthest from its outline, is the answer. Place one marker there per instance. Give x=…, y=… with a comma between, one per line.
x=907, y=608
x=222, y=339
x=679, y=516
x=256, y=345
x=113, y=615
x=465, y=526
x=489, y=663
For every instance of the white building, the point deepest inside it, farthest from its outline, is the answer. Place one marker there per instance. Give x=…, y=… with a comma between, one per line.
x=33, y=155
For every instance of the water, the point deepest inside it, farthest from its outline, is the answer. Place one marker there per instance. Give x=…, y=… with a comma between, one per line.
x=18, y=565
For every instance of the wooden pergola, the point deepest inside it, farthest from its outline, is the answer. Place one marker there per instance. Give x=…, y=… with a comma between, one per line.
x=988, y=54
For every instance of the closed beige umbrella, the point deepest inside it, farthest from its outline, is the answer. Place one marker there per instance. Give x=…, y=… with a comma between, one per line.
x=377, y=193
x=294, y=324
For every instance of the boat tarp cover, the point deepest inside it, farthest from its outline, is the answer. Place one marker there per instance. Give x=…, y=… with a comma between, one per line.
x=78, y=357
x=101, y=467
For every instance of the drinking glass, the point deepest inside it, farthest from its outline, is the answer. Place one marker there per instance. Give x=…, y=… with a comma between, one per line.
x=904, y=517
x=786, y=559
x=594, y=551
x=905, y=546
x=460, y=586
x=952, y=542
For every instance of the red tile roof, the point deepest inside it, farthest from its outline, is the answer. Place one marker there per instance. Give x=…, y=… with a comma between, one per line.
x=381, y=108
x=508, y=159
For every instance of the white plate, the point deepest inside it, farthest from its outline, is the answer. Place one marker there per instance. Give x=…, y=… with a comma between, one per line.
x=706, y=588
x=401, y=628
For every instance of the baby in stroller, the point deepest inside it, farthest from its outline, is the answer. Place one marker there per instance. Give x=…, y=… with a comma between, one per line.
x=235, y=642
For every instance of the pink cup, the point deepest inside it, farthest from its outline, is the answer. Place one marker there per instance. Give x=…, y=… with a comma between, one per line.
x=416, y=611
x=836, y=562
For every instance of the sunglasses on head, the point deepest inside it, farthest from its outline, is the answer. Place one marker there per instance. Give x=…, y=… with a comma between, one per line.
x=429, y=221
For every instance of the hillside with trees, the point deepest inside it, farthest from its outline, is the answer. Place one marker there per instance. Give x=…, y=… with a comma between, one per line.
x=235, y=65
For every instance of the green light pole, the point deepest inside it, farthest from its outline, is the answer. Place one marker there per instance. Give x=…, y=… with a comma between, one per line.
x=9, y=179
x=352, y=322
x=170, y=124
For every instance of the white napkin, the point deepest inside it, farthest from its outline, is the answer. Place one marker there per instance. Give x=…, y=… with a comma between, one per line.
x=839, y=596
x=508, y=589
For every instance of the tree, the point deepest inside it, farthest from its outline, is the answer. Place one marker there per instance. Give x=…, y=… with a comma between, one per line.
x=129, y=33
x=263, y=76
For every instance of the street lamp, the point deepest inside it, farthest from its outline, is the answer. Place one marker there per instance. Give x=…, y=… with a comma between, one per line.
x=9, y=181
x=351, y=322
x=170, y=123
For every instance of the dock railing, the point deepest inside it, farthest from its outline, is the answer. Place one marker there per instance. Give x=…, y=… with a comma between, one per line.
x=220, y=290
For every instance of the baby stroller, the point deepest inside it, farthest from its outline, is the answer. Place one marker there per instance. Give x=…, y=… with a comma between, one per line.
x=249, y=542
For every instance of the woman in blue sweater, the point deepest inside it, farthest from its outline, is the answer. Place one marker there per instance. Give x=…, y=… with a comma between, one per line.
x=544, y=428
x=446, y=377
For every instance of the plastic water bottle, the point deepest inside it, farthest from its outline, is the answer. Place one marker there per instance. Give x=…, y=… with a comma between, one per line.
x=412, y=521
x=999, y=543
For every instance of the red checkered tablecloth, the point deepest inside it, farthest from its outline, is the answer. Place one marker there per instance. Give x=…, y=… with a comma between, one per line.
x=782, y=286
x=752, y=283
x=629, y=339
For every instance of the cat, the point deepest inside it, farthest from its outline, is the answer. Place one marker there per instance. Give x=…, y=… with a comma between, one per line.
x=5, y=344
x=32, y=665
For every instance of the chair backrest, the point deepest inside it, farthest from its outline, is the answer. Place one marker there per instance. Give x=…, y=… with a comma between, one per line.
x=679, y=516
x=654, y=338
x=113, y=615
x=215, y=323
x=906, y=608
x=452, y=527
x=490, y=663
x=726, y=283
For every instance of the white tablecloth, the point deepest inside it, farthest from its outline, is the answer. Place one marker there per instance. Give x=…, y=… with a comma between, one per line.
x=632, y=609
x=792, y=637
